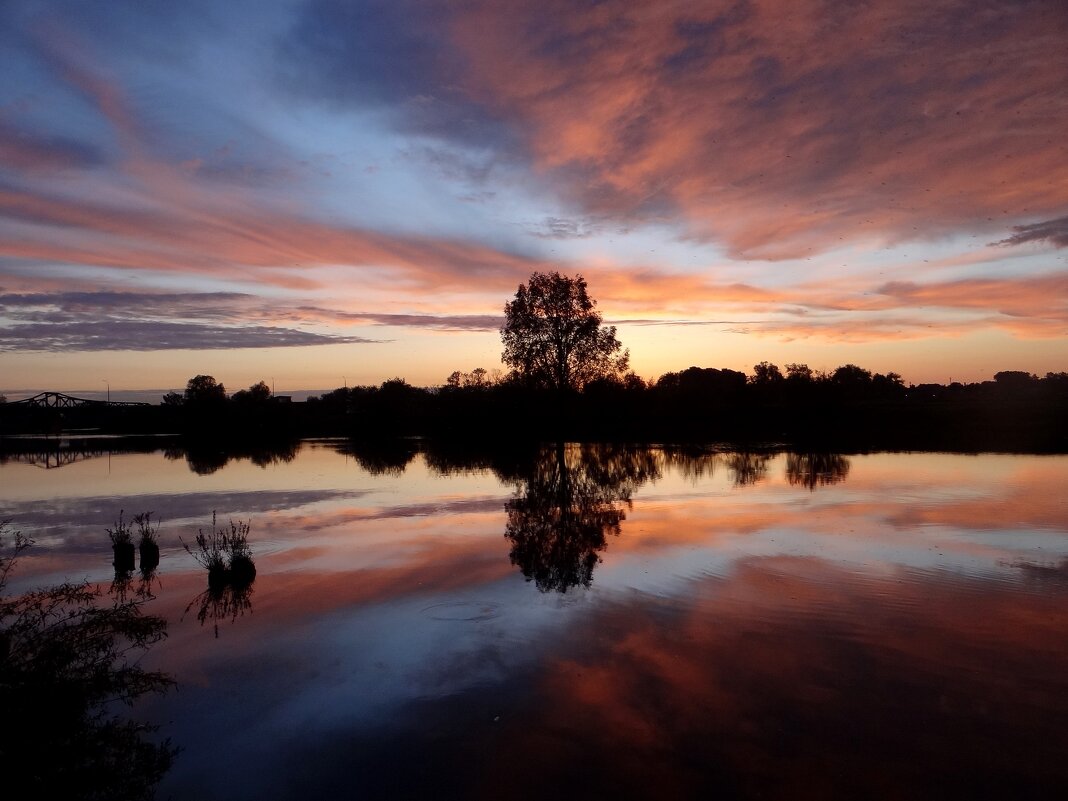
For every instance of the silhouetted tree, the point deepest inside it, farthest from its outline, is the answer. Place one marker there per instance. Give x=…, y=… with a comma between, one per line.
x=1015, y=378
x=554, y=338
x=766, y=373
x=204, y=390
x=479, y=378
x=800, y=373
x=888, y=386
x=702, y=384
x=1056, y=385
x=849, y=375
x=258, y=393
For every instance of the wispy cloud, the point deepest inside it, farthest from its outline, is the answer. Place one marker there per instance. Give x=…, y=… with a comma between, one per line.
x=144, y=321
x=146, y=336
x=158, y=213
x=779, y=131
x=36, y=151
x=1024, y=296
x=454, y=322
x=659, y=150
x=566, y=228
x=1053, y=231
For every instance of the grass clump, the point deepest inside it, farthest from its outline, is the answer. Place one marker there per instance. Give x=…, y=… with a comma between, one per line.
x=122, y=534
x=122, y=544
x=225, y=553
x=148, y=545
x=146, y=531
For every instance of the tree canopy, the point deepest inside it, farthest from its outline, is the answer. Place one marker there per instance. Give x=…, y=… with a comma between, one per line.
x=554, y=338
x=204, y=389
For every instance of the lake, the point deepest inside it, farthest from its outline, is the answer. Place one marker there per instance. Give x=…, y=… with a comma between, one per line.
x=586, y=620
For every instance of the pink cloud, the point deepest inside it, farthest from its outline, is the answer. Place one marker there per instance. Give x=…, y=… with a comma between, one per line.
x=785, y=130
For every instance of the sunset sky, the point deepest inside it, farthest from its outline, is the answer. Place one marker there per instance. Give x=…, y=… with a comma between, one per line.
x=316, y=192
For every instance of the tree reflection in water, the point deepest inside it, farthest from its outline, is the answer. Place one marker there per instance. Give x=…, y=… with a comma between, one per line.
x=692, y=461
x=816, y=469
x=698, y=463
x=205, y=457
x=747, y=468
x=387, y=457
x=572, y=498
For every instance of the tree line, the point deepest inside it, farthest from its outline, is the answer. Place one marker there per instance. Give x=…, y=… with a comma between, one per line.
x=567, y=375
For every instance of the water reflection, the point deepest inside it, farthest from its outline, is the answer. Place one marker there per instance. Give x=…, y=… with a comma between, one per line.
x=226, y=556
x=51, y=453
x=693, y=462
x=733, y=643
x=207, y=457
x=121, y=534
x=816, y=469
x=221, y=604
x=697, y=464
x=796, y=679
x=387, y=457
x=748, y=468
x=573, y=498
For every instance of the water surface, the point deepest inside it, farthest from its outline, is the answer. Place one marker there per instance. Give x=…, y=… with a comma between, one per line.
x=591, y=621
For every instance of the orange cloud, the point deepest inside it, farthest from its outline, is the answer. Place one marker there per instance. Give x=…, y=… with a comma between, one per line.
x=245, y=243
x=785, y=130
x=162, y=217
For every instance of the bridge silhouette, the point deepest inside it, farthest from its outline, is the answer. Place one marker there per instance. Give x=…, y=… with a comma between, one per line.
x=58, y=400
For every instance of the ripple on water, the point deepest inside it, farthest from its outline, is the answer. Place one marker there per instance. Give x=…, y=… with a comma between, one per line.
x=462, y=611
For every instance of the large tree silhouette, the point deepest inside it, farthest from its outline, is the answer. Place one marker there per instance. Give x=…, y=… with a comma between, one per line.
x=554, y=338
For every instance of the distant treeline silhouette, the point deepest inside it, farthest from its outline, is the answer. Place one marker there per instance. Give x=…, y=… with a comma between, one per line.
x=569, y=379
x=849, y=407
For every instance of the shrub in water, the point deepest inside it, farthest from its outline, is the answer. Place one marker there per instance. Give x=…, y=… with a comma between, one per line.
x=122, y=545
x=225, y=554
x=148, y=545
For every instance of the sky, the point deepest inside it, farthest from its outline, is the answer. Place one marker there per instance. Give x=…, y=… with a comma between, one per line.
x=319, y=193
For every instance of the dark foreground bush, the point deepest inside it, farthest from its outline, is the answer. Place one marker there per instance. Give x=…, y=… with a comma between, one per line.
x=67, y=660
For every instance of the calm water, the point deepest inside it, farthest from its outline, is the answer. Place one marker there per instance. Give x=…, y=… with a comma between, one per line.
x=592, y=622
